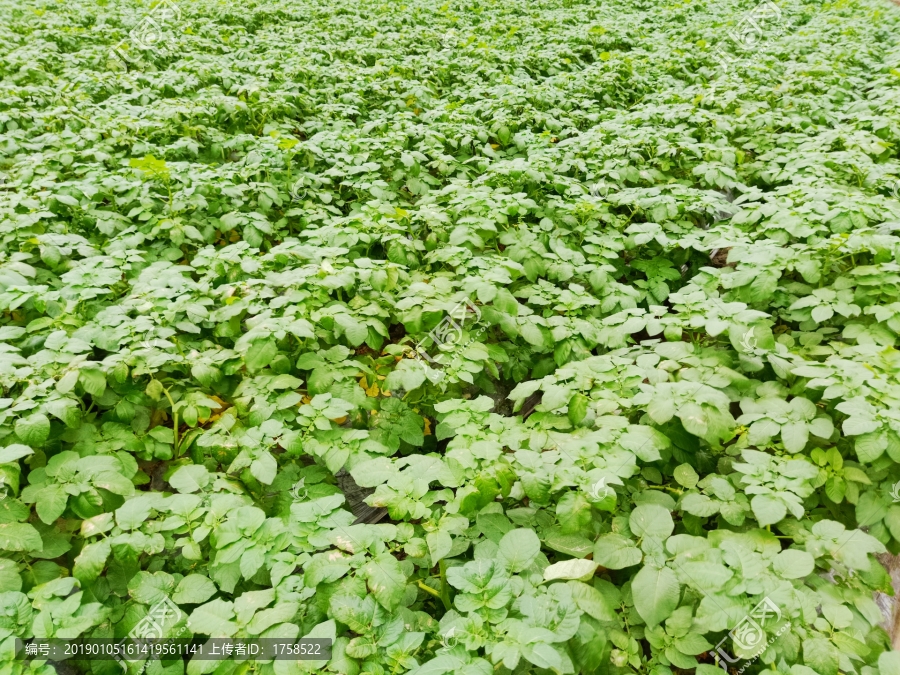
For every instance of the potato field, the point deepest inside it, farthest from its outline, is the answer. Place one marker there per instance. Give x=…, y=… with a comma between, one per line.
x=464, y=337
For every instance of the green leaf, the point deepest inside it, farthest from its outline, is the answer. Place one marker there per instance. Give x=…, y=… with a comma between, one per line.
x=326, y=630
x=645, y=442
x=19, y=537
x=373, y=472
x=793, y=563
x=33, y=430
x=532, y=334
x=573, y=511
x=575, y=545
x=591, y=601
x=767, y=509
x=90, y=562
x=795, y=436
x=661, y=409
x=133, y=513
x=114, y=482
x=543, y=655
x=822, y=656
x=439, y=545
x=264, y=468
x=385, y=580
x=709, y=669
x=357, y=614
x=260, y=354
x=506, y=302
x=889, y=663
x=14, y=452
x=10, y=580
x=213, y=619
x=651, y=520
x=656, y=593
x=692, y=644
x=615, y=552
x=150, y=588
x=190, y=478
x=67, y=382
x=578, y=406
x=570, y=569
x=155, y=390
x=194, y=589
x=870, y=446
x=686, y=476
x=51, y=503
x=93, y=380
x=519, y=548
x=699, y=505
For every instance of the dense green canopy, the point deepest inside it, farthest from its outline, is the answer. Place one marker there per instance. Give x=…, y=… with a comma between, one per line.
x=595, y=304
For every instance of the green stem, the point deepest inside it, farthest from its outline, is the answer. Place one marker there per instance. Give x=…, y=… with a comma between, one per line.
x=666, y=488
x=174, y=422
x=445, y=587
x=428, y=589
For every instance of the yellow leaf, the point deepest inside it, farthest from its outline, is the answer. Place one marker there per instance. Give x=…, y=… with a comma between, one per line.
x=372, y=391
x=427, y=426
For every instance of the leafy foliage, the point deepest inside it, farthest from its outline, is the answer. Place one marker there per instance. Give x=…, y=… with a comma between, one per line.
x=672, y=391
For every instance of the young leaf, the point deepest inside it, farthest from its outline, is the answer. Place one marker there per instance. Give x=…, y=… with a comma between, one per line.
x=194, y=589
x=518, y=549
x=656, y=593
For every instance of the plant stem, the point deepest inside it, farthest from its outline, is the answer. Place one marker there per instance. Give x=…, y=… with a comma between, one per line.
x=174, y=422
x=445, y=587
x=428, y=589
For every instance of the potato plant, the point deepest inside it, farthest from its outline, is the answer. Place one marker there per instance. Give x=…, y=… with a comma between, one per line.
x=476, y=336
